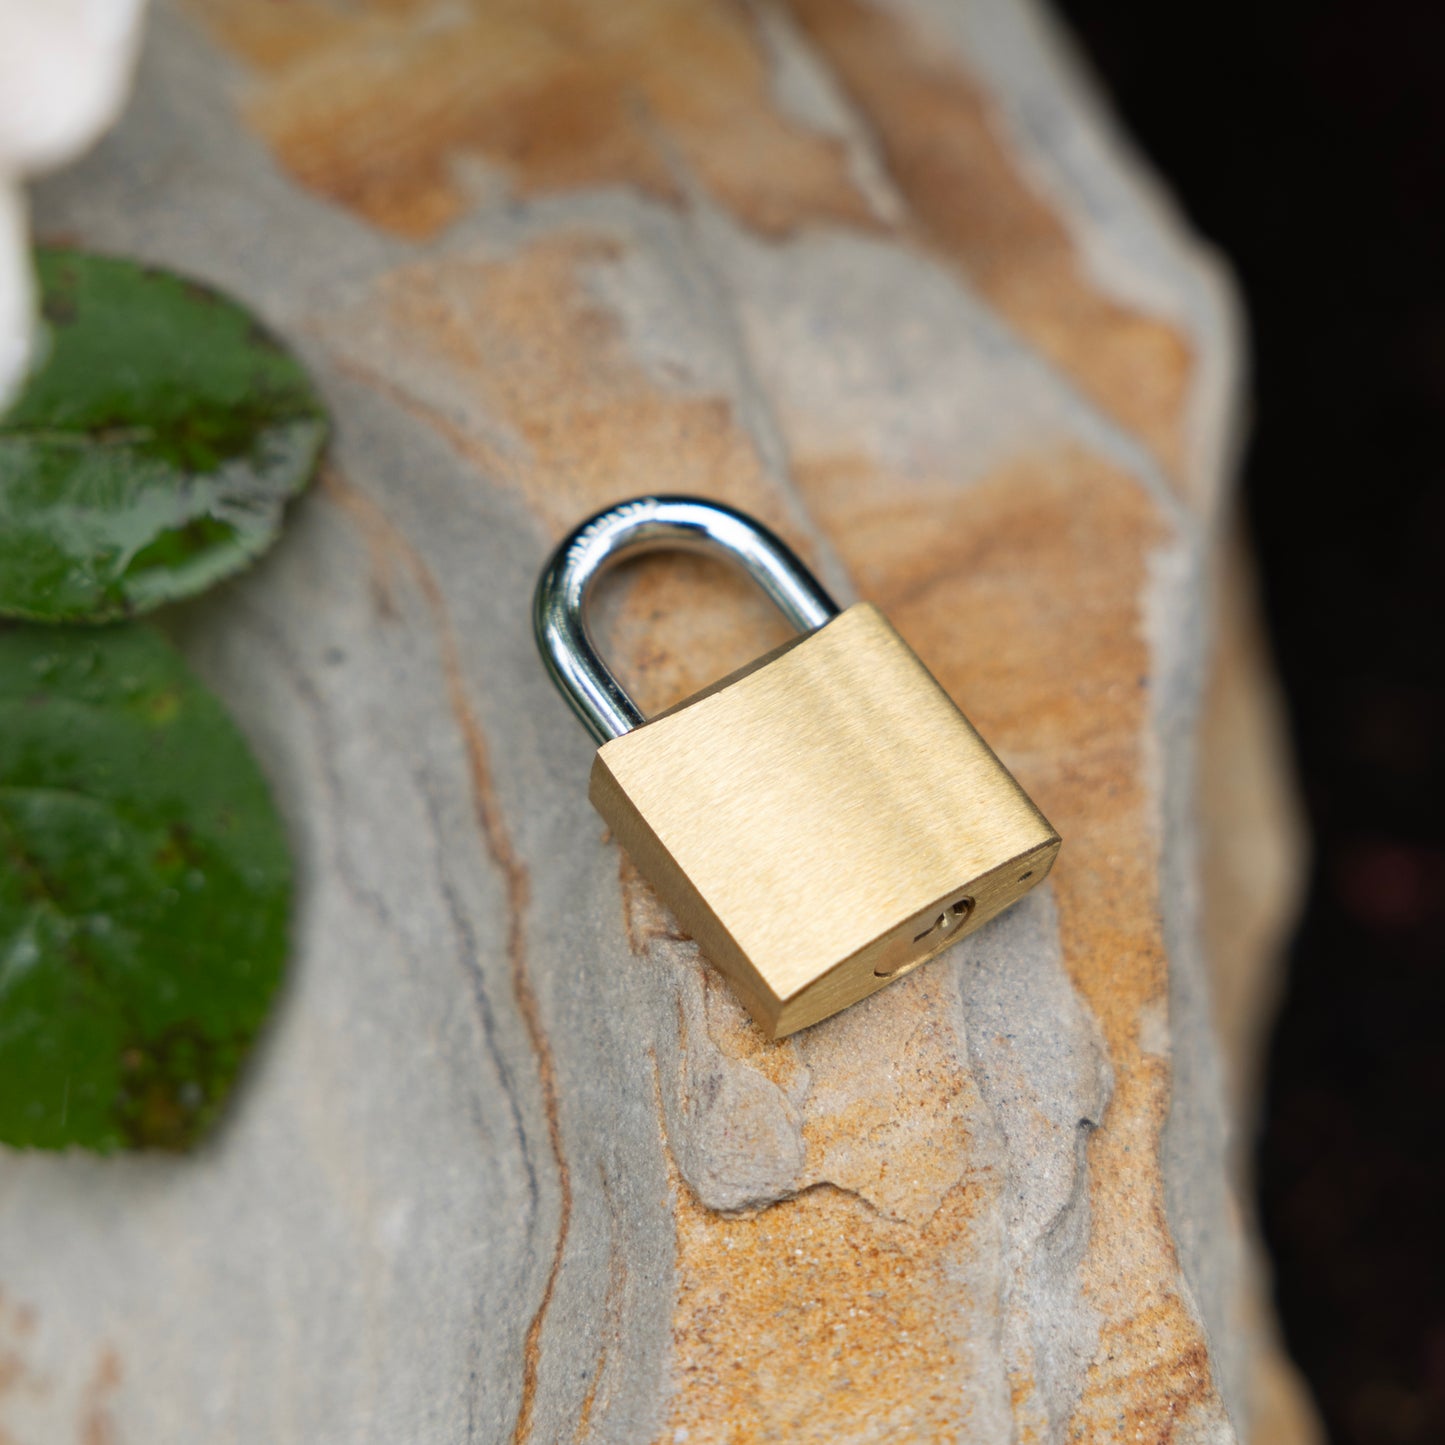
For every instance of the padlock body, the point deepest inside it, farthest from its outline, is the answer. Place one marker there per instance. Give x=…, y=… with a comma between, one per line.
x=823, y=821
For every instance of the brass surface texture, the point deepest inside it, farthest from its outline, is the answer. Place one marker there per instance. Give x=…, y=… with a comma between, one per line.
x=824, y=822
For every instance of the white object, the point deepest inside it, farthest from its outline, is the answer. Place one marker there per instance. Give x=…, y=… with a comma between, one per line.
x=65, y=67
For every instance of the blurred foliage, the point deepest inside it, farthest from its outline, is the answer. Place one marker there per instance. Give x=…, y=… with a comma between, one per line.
x=145, y=880
x=153, y=452
x=144, y=888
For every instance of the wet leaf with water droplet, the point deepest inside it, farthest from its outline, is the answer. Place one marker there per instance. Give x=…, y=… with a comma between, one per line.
x=144, y=892
x=154, y=451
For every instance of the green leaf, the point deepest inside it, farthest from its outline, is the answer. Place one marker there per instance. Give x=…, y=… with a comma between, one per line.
x=153, y=452
x=144, y=892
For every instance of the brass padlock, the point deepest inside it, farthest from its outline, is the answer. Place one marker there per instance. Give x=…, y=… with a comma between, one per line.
x=821, y=821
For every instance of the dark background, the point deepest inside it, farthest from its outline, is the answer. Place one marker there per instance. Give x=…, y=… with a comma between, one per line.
x=1308, y=142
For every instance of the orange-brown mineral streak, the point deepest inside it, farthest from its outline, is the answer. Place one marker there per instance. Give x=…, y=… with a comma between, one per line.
x=1050, y=558
x=824, y=1316
x=17, y=1377
x=96, y=1424
x=821, y=1317
x=518, y=346
x=386, y=542
x=818, y=1319
x=610, y=1325
x=970, y=200
x=372, y=103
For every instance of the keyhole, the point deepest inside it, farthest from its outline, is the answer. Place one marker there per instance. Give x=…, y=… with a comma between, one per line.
x=948, y=920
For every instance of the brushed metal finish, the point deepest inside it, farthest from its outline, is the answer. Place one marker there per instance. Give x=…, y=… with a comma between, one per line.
x=823, y=821
x=559, y=607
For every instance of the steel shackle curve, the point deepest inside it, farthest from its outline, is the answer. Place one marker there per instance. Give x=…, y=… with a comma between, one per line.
x=646, y=524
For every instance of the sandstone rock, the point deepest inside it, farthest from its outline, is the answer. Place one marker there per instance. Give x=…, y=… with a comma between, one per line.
x=513, y=1164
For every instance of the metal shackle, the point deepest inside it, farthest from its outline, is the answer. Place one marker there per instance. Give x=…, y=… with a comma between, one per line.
x=647, y=524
